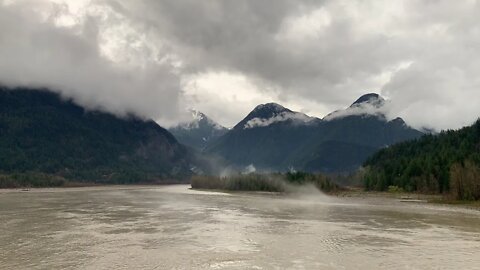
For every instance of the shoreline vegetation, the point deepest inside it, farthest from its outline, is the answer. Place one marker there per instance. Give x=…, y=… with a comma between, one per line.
x=254, y=182
x=285, y=183
x=275, y=182
x=447, y=163
x=43, y=180
x=280, y=183
x=32, y=180
x=405, y=196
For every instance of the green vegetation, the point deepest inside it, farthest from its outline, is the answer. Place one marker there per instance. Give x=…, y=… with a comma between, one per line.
x=465, y=181
x=249, y=182
x=395, y=189
x=45, y=136
x=448, y=163
x=35, y=180
x=263, y=182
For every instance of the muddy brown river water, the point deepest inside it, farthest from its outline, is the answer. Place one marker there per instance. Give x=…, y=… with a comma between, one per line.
x=173, y=227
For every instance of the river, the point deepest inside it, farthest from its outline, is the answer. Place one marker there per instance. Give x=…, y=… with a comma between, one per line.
x=173, y=227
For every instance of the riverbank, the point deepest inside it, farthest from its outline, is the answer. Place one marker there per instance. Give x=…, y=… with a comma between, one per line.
x=42, y=180
x=355, y=193
x=275, y=182
x=405, y=197
x=358, y=194
x=84, y=187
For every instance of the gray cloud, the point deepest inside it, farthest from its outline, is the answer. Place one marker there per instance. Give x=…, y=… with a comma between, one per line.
x=35, y=52
x=383, y=111
x=154, y=57
x=295, y=118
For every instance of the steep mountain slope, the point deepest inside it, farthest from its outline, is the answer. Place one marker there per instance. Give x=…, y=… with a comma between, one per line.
x=272, y=113
x=433, y=163
x=199, y=132
x=272, y=137
x=40, y=132
x=342, y=144
x=264, y=137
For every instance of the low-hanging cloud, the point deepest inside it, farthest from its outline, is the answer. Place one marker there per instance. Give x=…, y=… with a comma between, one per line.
x=384, y=111
x=313, y=56
x=36, y=51
x=294, y=117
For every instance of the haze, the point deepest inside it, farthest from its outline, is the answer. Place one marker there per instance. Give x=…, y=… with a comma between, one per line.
x=157, y=58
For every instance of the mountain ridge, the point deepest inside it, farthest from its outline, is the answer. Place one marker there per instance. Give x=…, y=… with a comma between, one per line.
x=283, y=139
x=41, y=132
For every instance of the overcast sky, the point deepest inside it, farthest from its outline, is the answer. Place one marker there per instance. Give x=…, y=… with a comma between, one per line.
x=223, y=57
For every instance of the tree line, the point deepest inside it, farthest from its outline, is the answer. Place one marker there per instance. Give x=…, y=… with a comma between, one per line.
x=275, y=182
x=447, y=163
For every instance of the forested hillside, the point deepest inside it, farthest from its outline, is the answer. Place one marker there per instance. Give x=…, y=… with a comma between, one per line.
x=41, y=134
x=444, y=163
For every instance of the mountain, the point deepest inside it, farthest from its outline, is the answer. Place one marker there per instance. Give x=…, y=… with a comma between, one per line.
x=263, y=138
x=373, y=99
x=367, y=105
x=272, y=113
x=446, y=162
x=274, y=138
x=42, y=133
x=198, y=132
x=343, y=144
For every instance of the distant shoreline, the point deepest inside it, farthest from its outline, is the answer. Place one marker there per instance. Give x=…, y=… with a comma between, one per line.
x=405, y=197
x=358, y=193
x=349, y=193
x=85, y=187
x=49, y=181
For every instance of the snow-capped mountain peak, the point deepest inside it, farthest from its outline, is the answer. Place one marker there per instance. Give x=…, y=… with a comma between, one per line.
x=198, y=131
x=372, y=99
x=272, y=107
x=270, y=113
x=199, y=120
x=294, y=117
x=371, y=104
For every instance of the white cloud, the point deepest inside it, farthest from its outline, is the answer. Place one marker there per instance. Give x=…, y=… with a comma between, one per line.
x=305, y=26
x=158, y=57
x=224, y=96
x=296, y=118
x=36, y=51
x=383, y=111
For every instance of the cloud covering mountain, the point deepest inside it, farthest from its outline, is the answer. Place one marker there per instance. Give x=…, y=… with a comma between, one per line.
x=156, y=57
x=274, y=138
x=199, y=131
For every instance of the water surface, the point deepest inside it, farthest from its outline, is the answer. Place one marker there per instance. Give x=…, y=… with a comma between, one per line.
x=172, y=227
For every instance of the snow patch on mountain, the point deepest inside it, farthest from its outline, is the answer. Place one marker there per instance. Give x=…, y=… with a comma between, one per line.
x=295, y=117
x=367, y=105
x=274, y=107
x=197, y=118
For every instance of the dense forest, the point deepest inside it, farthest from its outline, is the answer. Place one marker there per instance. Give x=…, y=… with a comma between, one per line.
x=447, y=163
x=44, y=139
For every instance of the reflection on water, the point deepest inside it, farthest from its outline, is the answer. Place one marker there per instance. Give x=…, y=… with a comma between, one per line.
x=173, y=227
